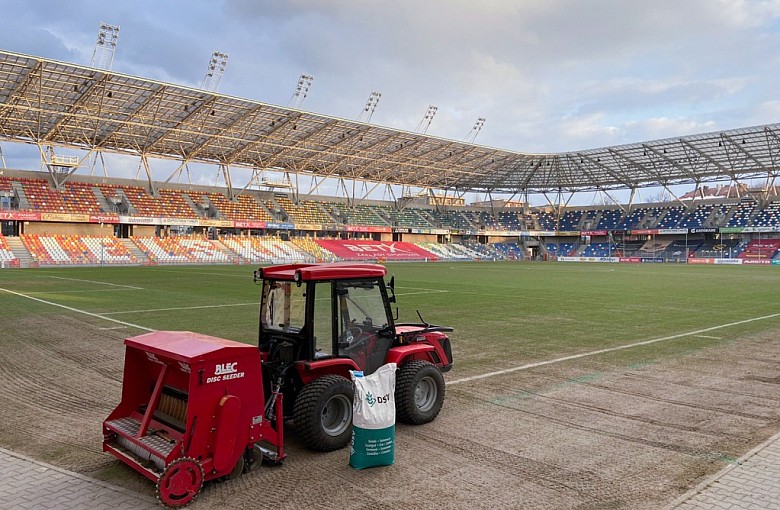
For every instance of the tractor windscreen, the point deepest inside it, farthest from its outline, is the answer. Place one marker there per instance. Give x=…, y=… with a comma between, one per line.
x=361, y=303
x=283, y=306
x=362, y=315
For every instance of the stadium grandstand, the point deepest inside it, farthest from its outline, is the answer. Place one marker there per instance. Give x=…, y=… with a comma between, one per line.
x=65, y=214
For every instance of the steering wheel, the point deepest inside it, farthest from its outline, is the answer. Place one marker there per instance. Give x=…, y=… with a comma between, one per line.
x=357, y=335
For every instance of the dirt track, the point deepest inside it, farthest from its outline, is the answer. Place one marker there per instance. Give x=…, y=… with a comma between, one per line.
x=579, y=434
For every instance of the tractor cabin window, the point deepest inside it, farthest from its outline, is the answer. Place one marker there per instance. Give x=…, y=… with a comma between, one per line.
x=283, y=306
x=323, y=321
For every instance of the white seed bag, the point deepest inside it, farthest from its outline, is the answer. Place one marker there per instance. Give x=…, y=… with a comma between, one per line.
x=373, y=418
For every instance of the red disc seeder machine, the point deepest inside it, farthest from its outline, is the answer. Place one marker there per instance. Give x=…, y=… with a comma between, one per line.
x=195, y=411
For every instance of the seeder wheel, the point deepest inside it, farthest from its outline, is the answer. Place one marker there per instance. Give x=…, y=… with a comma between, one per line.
x=180, y=482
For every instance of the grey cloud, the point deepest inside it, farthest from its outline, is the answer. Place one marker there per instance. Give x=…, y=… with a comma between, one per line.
x=548, y=75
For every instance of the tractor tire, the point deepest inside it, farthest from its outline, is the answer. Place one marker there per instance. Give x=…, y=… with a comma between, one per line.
x=323, y=413
x=419, y=392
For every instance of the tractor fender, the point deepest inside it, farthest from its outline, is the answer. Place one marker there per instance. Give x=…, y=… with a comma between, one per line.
x=434, y=336
x=310, y=370
x=403, y=353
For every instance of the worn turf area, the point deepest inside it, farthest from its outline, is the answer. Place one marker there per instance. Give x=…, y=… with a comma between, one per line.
x=574, y=386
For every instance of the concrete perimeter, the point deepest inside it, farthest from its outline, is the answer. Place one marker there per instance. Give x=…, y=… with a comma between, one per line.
x=28, y=484
x=753, y=482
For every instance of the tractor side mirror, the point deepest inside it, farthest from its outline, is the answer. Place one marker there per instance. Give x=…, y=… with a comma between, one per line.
x=391, y=293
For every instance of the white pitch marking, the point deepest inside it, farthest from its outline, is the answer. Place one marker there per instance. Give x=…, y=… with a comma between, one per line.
x=212, y=273
x=710, y=337
x=99, y=283
x=421, y=288
x=431, y=291
x=604, y=351
x=78, y=291
x=178, y=308
x=422, y=292
x=115, y=327
x=76, y=310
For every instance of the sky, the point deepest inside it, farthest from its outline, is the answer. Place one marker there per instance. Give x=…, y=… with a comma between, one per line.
x=546, y=75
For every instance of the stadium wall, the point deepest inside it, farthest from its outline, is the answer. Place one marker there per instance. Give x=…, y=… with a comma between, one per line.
x=82, y=229
x=143, y=230
x=417, y=238
x=501, y=239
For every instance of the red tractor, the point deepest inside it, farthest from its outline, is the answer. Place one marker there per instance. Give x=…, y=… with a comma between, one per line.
x=196, y=408
x=318, y=322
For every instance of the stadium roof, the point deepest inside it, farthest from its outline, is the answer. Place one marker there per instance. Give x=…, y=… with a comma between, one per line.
x=54, y=103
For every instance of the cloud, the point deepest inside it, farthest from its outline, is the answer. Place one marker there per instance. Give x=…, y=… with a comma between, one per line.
x=548, y=75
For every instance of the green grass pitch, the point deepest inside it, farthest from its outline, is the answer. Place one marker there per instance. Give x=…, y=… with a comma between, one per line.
x=505, y=314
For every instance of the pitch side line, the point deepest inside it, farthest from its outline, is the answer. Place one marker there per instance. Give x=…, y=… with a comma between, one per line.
x=431, y=291
x=246, y=276
x=99, y=283
x=604, y=351
x=79, y=291
x=179, y=308
x=76, y=310
x=401, y=294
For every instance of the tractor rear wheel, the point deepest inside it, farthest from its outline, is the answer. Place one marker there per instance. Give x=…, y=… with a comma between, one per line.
x=323, y=413
x=419, y=392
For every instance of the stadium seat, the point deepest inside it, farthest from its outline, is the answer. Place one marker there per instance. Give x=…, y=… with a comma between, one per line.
x=76, y=250
x=601, y=250
x=74, y=197
x=181, y=250
x=7, y=257
x=305, y=211
x=266, y=250
x=242, y=208
x=453, y=251
x=319, y=253
x=168, y=203
x=764, y=249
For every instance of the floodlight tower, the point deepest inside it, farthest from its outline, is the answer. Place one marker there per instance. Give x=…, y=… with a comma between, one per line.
x=105, y=47
x=425, y=123
x=2, y=158
x=475, y=130
x=215, y=71
x=301, y=91
x=368, y=110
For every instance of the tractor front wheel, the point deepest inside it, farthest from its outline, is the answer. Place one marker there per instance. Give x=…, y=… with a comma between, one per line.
x=419, y=392
x=323, y=413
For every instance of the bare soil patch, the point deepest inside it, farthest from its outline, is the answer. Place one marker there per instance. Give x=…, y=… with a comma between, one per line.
x=581, y=434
